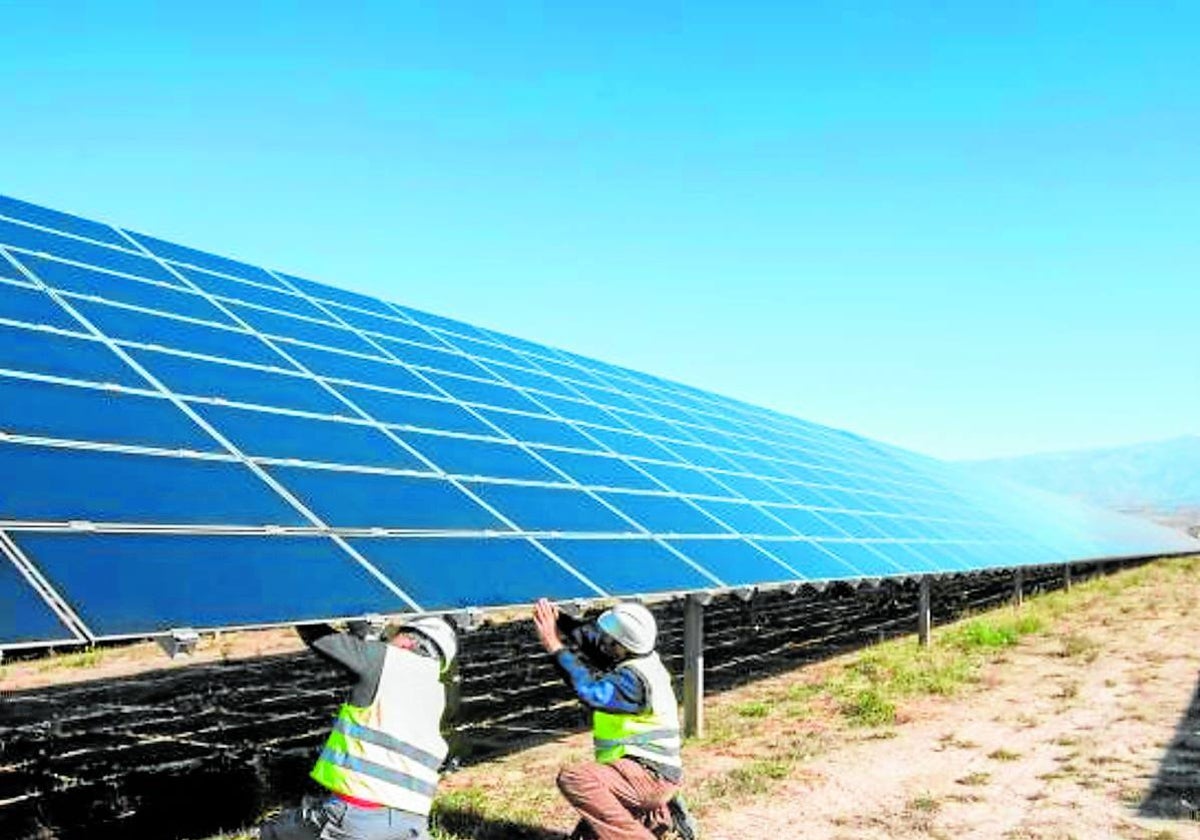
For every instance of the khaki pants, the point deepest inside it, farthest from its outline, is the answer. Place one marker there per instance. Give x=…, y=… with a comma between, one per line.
x=617, y=800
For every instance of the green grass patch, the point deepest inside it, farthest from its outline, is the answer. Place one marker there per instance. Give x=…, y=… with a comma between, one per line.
x=475, y=814
x=750, y=779
x=753, y=709
x=869, y=707
x=868, y=689
x=925, y=803
x=803, y=692
x=77, y=659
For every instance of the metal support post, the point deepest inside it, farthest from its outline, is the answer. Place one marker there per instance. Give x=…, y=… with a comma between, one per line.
x=693, y=664
x=924, y=614
x=1018, y=594
x=1067, y=577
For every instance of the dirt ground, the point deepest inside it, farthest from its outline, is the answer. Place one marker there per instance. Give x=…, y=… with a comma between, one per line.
x=1063, y=737
x=1056, y=747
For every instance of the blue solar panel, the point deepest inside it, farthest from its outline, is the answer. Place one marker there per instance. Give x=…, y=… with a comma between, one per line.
x=51, y=354
x=25, y=617
x=546, y=388
x=633, y=445
x=261, y=434
x=810, y=560
x=805, y=522
x=488, y=570
x=417, y=461
x=429, y=357
x=735, y=561
x=135, y=584
x=630, y=565
x=144, y=328
x=325, y=293
x=200, y=259
x=664, y=514
x=685, y=480
x=484, y=393
x=229, y=289
x=755, y=489
x=322, y=333
x=441, y=323
x=32, y=306
x=38, y=241
x=360, y=369
x=65, y=222
x=489, y=352
x=745, y=518
x=867, y=559
x=378, y=324
x=66, y=412
x=543, y=430
x=596, y=470
x=67, y=277
x=346, y=499
x=54, y=484
x=575, y=409
x=551, y=509
x=235, y=383
x=474, y=458
x=427, y=412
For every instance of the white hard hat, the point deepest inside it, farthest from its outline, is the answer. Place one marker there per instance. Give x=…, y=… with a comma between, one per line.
x=630, y=624
x=438, y=631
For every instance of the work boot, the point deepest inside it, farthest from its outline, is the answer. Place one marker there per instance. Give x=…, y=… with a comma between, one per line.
x=681, y=821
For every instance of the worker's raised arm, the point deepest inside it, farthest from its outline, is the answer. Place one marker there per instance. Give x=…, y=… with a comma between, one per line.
x=619, y=691
x=309, y=633
x=343, y=649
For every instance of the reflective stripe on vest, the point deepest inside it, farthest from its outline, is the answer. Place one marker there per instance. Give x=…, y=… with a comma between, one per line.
x=389, y=752
x=378, y=771
x=653, y=734
x=382, y=739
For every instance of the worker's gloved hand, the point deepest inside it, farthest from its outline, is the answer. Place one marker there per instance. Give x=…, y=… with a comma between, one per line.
x=366, y=628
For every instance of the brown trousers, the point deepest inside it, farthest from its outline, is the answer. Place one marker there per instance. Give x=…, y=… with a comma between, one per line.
x=617, y=800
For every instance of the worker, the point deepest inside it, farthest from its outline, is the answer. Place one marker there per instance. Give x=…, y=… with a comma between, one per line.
x=380, y=763
x=630, y=791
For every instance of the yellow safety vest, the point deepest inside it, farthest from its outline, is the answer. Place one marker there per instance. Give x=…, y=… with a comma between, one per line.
x=654, y=734
x=389, y=752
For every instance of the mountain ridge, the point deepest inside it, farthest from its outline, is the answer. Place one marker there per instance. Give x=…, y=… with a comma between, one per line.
x=1157, y=479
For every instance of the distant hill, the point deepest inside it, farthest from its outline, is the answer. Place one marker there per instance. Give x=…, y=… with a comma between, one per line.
x=1160, y=480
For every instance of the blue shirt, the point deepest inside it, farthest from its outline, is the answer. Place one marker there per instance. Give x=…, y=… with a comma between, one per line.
x=618, y=690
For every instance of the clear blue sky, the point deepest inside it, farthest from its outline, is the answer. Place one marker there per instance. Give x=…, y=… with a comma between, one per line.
x=969, y=231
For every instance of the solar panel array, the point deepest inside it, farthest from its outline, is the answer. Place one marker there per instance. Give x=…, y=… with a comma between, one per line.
x=190, y=441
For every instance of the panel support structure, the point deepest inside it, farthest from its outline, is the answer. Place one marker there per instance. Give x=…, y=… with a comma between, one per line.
x=1067, y=577
x=693, y=664
x=1018, y=593
x=179, y=641
x=924, y=613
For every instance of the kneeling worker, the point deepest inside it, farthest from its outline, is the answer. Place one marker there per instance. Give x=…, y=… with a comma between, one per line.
x=630, y=791
x=381, y=761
